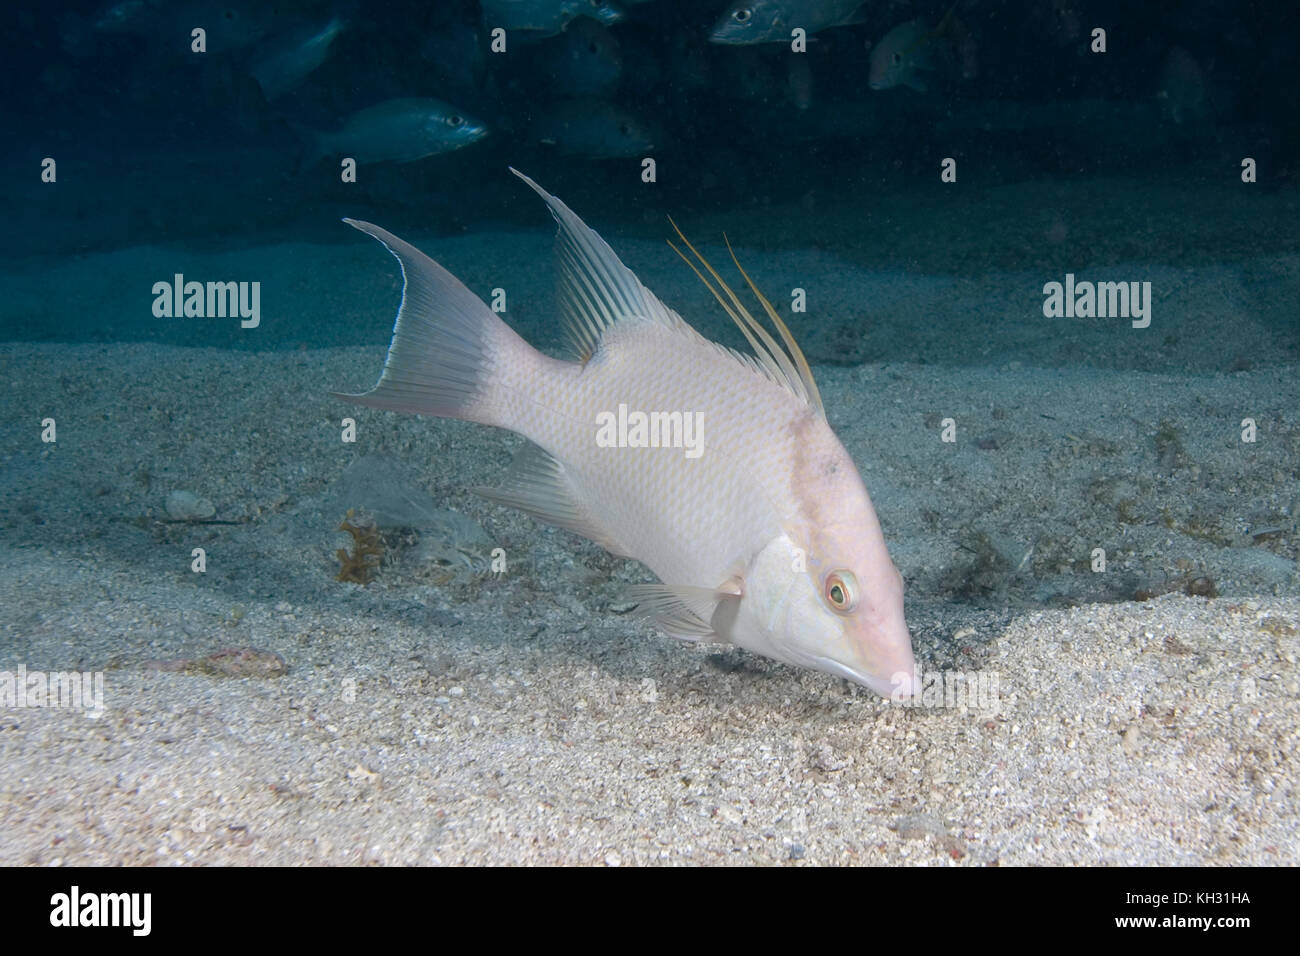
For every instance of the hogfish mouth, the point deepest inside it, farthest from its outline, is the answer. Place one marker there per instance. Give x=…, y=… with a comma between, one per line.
x=899, y=685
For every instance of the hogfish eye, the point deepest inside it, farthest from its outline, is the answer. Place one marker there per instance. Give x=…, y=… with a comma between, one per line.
x=456, y=120
x=742, y=15
x=841, y=590
x=897, y=58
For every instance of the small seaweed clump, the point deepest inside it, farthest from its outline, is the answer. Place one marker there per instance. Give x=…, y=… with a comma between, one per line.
x=227, y=662
x=1169, y=448
x=367, y=550
x=1193, y=585
x=448, y=545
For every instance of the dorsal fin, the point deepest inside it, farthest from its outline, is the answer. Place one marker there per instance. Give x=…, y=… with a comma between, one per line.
x=786, y=366
x=598, y=290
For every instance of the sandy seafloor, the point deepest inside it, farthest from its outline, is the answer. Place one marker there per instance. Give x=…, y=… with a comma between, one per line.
x=523, y=719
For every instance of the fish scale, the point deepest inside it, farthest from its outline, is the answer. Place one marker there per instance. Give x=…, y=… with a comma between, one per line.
x=767, y=540
x=647, y=368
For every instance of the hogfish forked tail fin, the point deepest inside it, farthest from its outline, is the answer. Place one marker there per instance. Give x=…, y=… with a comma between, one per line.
x=446, y=344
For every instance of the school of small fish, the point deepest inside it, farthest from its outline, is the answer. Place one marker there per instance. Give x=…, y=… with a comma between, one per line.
x=604, y=80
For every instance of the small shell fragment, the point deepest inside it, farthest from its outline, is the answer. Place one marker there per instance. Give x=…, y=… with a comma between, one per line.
x=187, y=506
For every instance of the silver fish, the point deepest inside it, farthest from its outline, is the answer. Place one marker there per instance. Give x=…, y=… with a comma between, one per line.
x=545, y=18
x=903, y=57
x=770, y=21
x=592, y=128
x=584, y=60
x=746, y=506
x=455, y=54
x=400, y=130
x=285, y=60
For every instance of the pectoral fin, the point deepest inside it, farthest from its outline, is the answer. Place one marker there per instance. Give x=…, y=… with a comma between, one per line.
x=689, y=613
x=538, y=484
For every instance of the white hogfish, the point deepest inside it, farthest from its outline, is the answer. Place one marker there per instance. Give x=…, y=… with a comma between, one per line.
x=762, y=536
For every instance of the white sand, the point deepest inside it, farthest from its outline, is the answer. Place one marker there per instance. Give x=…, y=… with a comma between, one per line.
x=519, y=719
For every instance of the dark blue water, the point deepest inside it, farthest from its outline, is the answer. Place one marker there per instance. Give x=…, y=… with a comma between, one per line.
x=1066, y=159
